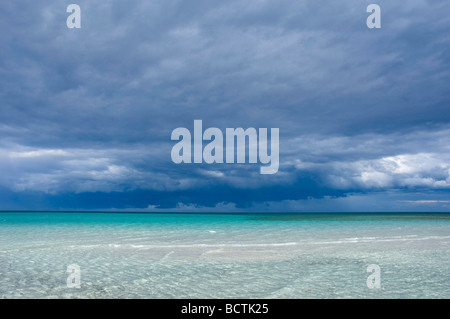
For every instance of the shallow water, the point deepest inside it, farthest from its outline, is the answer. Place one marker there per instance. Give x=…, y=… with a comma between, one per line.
x=125, y=255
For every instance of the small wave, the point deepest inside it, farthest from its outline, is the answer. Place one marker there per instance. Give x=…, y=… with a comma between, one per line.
x=188, y=245
x=380, y=239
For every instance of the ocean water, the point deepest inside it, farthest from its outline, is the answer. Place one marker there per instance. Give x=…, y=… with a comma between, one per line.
x=132, y=255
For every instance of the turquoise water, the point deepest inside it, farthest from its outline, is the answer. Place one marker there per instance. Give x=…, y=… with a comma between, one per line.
x=130, y=255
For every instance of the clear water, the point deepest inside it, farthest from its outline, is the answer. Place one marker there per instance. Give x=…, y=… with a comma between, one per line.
x=124, y=255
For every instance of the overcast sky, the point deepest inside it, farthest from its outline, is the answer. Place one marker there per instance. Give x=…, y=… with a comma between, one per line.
x=86, y=114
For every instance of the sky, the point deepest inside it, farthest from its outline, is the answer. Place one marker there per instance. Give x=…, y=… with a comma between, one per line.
x=86, y=115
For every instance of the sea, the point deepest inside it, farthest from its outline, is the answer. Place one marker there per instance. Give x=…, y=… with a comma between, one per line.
x=66, y=255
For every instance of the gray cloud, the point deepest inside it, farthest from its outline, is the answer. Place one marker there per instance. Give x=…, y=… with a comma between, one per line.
x=91, y=110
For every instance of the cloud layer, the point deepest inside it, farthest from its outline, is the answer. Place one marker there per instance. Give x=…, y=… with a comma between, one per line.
x=86, y=114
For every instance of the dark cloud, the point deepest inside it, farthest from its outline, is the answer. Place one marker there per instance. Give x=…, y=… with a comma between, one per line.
x=86, y=115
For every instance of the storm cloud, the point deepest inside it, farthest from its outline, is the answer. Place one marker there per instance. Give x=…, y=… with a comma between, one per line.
x=87, y=114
